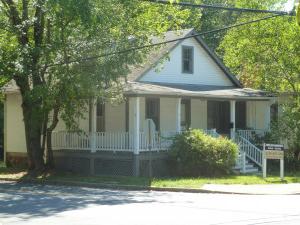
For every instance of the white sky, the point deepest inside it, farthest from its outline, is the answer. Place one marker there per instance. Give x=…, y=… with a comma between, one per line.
x=289, y=5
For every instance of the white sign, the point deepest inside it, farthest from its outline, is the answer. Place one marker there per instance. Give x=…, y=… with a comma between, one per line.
x=274, y=147
x=273, y=151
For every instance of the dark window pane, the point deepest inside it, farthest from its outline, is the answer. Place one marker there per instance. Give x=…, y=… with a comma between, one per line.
x=100, y=117
x=152, y=111
x=187, y=59
x=218, y=116
x=240, y=115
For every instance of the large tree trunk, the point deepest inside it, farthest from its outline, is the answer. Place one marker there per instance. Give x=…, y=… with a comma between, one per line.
x=33, y=131
x=49, y=154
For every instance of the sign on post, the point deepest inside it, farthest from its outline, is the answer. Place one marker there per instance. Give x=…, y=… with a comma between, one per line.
x=273, y=151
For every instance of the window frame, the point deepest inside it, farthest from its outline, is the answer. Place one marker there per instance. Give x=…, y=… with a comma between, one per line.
x=191, y=69
x=154, y=101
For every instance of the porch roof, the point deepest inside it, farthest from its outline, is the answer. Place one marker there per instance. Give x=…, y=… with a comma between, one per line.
x=194, y=91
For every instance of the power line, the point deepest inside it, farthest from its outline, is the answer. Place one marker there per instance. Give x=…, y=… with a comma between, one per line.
x=164, y=42
x=219, y=7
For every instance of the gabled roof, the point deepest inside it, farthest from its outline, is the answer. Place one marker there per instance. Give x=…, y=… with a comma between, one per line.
x=157, y=54
x=154, y=57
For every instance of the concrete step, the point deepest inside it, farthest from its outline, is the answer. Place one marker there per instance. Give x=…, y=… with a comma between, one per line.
x=250, y=168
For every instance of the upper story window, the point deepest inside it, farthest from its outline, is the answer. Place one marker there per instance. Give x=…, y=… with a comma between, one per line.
x=187, y=59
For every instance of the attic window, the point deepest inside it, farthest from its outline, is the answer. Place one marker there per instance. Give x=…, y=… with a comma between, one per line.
x=187, y=59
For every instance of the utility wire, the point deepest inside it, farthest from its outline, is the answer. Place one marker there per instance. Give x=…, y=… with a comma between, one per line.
x=219, y=7
x=164, y=42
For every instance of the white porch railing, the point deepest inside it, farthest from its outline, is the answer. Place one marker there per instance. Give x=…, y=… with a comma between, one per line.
x=250, y=134
x=113, y=141
x=70, y=140
x=212, y=132
x=250, y=150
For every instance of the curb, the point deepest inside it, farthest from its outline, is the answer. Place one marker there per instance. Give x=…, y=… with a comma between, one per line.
x=114, y=187
x=129, y=187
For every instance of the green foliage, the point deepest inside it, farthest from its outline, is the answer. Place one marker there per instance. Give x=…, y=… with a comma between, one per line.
x=48, y=48
x=265, y=56
x=194, y=153
x=214, y=19
x=298, y=14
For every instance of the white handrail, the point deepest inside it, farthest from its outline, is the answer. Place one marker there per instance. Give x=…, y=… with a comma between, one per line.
x=251, y=151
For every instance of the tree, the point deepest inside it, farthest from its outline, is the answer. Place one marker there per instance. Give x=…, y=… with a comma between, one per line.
x=46, y=48
x=265, y=56
x=213, y=19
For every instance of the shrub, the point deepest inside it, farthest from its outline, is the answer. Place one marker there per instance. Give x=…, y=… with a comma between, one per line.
x=193, y=153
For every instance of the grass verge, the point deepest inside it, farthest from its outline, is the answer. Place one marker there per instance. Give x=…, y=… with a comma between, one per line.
x=19, y=174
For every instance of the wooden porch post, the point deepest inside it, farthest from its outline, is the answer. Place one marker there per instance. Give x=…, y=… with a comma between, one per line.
x=93, y=124
x=178, y=115
x=136, y=125
x=232, y=119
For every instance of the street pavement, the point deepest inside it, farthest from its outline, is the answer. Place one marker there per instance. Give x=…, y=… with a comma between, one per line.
x=37, y=204
x=261, y=189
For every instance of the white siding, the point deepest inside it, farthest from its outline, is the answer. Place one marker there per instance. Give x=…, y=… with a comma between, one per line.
x=115, y=117
x=198, y=114
x=167, y=114
x=15, y=131
x=258, y=114
x=206, y=71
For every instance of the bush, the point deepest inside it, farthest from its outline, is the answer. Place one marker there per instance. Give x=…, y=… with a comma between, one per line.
x=193, y=153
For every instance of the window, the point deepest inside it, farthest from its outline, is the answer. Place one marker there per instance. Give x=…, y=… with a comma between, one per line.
x=240, y=115
x=152, y=111
x=185, y=114
x=218, y=116
x=100, y=117
x=274, y=112
x=187, y=59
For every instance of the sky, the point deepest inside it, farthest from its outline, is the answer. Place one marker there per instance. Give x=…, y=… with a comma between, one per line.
x=289, y=5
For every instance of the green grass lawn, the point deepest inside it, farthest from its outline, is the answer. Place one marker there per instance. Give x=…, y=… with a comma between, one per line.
x=19, y=174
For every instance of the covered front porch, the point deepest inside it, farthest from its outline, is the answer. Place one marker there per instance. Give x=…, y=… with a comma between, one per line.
x=121, y=127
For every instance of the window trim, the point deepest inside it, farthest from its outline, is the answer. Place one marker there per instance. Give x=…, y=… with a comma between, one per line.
x=183, y=48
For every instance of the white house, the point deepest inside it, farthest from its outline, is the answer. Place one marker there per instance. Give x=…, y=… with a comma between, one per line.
x=193, y=89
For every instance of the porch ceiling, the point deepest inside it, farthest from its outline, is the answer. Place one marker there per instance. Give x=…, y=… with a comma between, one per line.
x=194, y=91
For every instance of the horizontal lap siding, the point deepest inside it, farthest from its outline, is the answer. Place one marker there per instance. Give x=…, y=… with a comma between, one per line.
x=206, y=71
x=115, y=118
x=258, y=114
x=15, y=131
x=199, y=114
x=168, y=114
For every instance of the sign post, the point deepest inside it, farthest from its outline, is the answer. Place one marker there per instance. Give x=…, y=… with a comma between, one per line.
x=273, y=151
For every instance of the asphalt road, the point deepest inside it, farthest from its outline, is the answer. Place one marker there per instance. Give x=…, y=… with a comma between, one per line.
x=43, y=205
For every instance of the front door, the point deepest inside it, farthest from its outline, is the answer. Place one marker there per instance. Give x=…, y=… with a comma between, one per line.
x=218, y=116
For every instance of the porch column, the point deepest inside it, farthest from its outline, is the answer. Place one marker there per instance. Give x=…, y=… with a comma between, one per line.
x=136, y=125
x=178, y=115
x=232, y=119
x=93, y=124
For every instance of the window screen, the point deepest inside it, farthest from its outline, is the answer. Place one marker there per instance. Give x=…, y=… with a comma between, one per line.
x=187, y=59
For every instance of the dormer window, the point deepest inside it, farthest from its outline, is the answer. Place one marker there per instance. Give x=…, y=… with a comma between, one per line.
x=187, y=59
